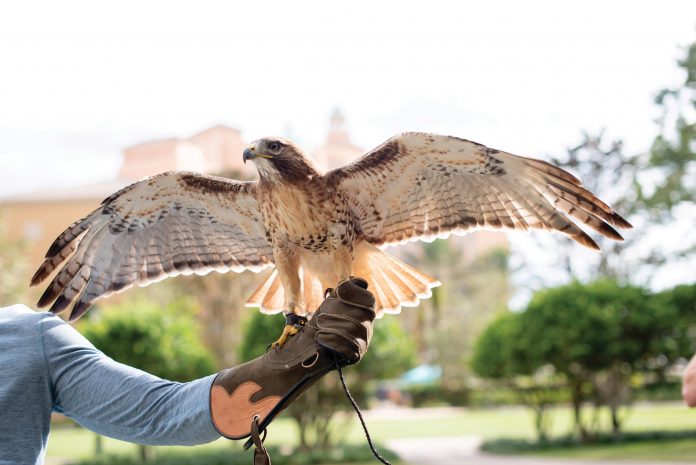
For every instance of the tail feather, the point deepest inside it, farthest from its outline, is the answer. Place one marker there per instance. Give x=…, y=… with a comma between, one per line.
x=393, y=283
x=385, y=291
x=266, y=296
x=401, y=284
x=269, y=297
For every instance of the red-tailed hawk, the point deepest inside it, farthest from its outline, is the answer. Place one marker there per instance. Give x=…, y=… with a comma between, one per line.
x=316, y=229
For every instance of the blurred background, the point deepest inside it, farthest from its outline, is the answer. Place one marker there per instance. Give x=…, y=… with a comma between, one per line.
x=531, y=347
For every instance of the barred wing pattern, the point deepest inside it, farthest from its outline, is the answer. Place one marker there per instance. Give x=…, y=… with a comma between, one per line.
x=423, y=186
x=170, y=224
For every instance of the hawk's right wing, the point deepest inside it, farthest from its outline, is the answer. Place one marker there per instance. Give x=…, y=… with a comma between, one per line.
x=421, y=186
x=170, y=224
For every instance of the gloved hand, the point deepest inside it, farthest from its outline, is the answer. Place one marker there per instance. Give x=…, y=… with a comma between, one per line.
x=257, y=391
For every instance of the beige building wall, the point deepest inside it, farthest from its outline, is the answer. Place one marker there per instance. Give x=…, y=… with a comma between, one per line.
x=156, y=157
x=38, y=223
x=222, y=148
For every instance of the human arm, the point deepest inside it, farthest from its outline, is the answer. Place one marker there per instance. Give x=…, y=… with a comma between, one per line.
x=125, y=403
x=120, y=401
x=689, y=383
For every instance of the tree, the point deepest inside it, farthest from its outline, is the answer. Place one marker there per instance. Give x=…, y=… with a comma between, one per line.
x=651, y=189
x=474, y=289
x=673, y=153
x=13, y=284
x=162, y=341
x=680, y=301
x=391, y=353
x=499, y=357
x=597, y=335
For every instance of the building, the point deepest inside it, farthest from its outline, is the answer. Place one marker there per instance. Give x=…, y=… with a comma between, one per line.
x=337, y=150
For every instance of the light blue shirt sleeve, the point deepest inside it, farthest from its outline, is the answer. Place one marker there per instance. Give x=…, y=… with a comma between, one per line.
x=120, y=401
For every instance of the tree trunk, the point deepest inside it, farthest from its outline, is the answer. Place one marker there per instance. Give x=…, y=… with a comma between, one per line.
x=615, y=421
x=98, y=444
x=147, y=453
x=576, y=397
x=540, y=423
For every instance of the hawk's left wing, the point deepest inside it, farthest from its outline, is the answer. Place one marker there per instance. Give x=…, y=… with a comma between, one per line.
x=170, y=224
x=421, y=186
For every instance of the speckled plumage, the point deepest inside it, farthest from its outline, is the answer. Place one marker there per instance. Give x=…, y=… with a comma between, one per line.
x=315, y=228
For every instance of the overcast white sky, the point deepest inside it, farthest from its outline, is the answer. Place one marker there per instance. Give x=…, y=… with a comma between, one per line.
x=81, y=80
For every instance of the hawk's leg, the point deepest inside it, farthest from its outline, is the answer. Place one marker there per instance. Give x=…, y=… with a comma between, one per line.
x=343, y=261
x=289, y=273
x=293, y=324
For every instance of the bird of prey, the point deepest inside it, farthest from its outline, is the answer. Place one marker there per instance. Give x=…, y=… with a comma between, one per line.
x=315, y=228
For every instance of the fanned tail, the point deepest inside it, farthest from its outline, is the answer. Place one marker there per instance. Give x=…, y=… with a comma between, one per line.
x=269, y=297
x=393, y=283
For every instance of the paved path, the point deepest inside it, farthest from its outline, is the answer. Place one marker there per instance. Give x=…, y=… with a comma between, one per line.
x=464, y=450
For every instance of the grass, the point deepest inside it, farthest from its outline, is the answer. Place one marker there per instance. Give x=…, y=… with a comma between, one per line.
x=677, y=450
x=508, y=422
x=355, y=455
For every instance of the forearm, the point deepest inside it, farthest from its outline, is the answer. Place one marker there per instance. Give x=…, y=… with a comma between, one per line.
x=120, y=401
x=148, y=411
x=689, y=383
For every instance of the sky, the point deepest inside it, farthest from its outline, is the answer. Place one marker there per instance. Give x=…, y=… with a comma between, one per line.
x=80, y=81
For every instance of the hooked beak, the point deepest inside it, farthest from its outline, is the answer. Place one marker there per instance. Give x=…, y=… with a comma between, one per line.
x=248, y=154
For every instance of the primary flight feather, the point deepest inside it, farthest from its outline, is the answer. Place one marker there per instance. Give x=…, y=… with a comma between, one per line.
x=315, y=228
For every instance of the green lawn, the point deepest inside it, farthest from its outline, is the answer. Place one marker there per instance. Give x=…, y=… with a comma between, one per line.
x=512, y=422
x=678, y=450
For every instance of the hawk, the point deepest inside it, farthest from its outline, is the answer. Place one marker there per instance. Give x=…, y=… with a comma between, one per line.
x=315, y=228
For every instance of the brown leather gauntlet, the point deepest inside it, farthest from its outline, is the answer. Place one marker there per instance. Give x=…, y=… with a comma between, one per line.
x=260, y=389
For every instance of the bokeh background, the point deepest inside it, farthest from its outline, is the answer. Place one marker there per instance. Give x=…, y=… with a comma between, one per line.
x=532, y=346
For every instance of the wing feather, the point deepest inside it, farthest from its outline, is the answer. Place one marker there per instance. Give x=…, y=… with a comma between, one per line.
x=170, y=224
x=421, y=186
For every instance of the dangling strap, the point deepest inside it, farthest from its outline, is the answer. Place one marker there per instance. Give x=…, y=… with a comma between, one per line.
x=261, y=456
x=357, y=410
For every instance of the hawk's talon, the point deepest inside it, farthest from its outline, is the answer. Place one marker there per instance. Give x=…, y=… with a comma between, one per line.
x=288, y=331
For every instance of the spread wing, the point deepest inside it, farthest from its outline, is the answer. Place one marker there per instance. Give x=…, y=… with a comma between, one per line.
x=422, y=186
x=170, y=224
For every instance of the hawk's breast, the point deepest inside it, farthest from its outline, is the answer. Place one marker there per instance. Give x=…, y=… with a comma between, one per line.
x=304, y=216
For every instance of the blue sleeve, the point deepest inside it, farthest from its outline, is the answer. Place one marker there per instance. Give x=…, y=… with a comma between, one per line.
x=120, y=401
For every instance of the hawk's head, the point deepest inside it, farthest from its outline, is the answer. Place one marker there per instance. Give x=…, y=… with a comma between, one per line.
x=278, y=158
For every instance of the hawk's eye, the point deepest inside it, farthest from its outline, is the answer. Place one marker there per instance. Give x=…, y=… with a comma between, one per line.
x=274, y=146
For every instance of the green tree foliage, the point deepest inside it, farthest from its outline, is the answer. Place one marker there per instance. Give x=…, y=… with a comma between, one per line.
x=493, y=355
x=258, y=331
x=680, y=301
x=391, y=353
x=13, y=285
x=600, y=337
x=597, y=335
x=496, y=356
x=474, y=289
x=673, y=153
x=651, y=189
x=162, y=341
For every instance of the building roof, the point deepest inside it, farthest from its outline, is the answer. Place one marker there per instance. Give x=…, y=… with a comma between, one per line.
x=96, y=191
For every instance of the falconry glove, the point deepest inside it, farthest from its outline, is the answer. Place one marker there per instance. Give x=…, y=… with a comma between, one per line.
x=249, y=396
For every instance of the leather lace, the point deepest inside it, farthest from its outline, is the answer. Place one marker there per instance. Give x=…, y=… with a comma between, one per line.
x=357, y=410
